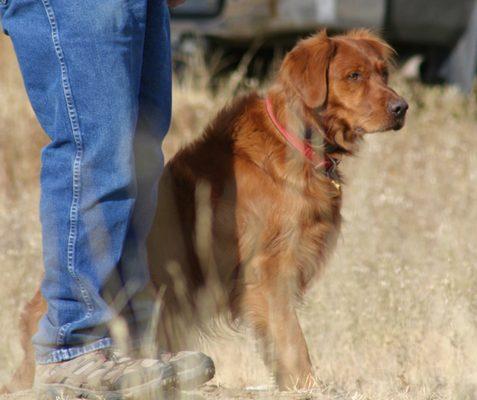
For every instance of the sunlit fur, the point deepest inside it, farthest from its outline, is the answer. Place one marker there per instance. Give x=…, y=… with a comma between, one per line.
x=324, y=97
x=245, y=222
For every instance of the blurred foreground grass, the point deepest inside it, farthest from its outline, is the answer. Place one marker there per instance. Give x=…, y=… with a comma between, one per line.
x=394, y=316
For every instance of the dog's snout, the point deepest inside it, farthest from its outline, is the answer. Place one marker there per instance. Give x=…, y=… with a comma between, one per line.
x=398, y=107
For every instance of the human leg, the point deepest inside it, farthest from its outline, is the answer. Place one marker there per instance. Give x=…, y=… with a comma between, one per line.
x=81, y=62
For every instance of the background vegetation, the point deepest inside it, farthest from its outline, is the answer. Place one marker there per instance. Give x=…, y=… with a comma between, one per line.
x=394, y=316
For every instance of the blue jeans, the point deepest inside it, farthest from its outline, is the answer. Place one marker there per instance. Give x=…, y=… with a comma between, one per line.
x=98, y=75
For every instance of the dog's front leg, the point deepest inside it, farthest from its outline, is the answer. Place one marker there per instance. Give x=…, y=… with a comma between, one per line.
x=271, y=313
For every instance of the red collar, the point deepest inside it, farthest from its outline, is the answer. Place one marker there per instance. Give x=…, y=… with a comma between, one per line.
x=304, y=147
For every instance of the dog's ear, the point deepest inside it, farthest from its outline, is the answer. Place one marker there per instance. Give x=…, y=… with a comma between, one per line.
x=305, y=68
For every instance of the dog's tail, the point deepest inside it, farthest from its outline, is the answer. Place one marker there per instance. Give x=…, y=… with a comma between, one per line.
x=29, y=318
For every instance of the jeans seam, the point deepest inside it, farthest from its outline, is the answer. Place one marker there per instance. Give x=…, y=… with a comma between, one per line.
x=77, y=137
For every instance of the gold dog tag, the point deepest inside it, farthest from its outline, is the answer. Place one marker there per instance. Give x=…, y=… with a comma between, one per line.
x=336, y=184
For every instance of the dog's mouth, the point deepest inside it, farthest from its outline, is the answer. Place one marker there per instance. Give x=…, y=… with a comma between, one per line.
x=398, y=123
x=394, y=125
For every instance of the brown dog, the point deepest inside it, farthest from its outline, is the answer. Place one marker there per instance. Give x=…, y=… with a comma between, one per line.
x=249, y=212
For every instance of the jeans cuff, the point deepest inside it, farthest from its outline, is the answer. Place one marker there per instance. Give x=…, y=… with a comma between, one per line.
x=65, y=354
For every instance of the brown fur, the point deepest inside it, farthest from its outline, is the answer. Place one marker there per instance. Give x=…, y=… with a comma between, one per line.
x=245, y=222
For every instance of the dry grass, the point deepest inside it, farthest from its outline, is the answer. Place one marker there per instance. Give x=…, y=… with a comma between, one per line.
x=395, y=314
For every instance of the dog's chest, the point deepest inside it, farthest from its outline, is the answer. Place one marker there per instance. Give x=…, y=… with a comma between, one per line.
x=310, y=218
x=292, y=227
x=288, y=219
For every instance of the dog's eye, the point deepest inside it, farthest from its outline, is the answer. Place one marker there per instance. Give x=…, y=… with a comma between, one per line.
x=354, y=76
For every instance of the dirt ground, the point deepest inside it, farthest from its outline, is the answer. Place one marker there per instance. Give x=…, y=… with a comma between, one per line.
x=394, y=316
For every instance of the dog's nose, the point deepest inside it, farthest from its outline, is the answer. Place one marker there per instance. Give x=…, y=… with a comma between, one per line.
x=398, y=107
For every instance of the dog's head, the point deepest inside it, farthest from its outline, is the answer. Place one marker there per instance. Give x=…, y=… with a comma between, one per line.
x=342, y=82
